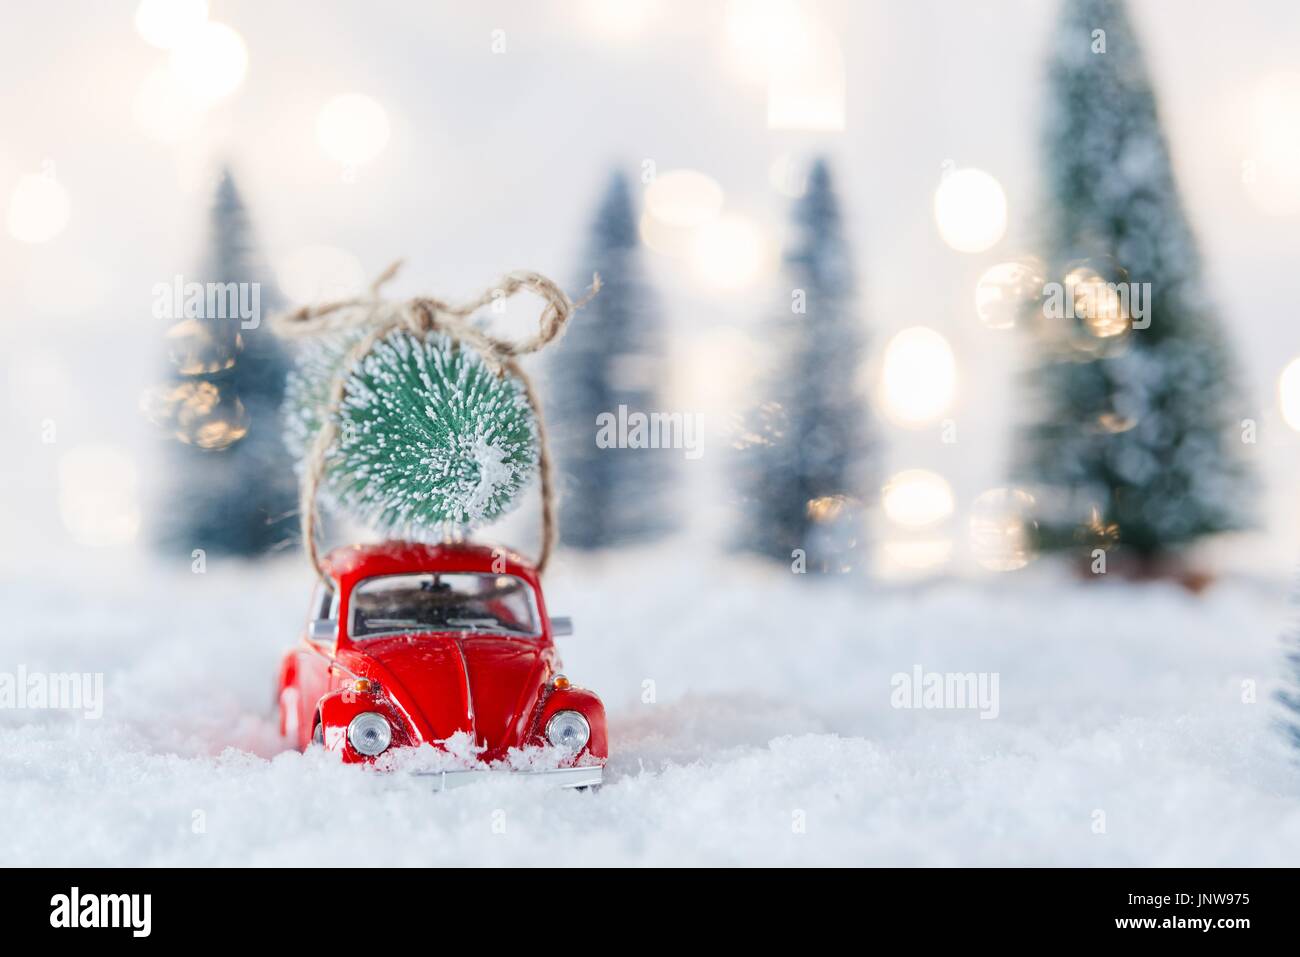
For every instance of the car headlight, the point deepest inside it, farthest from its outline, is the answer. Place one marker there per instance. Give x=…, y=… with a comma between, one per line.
x=568, y=730
x=370, y=733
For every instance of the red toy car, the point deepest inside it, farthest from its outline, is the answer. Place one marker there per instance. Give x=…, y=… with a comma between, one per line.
x=410, y=644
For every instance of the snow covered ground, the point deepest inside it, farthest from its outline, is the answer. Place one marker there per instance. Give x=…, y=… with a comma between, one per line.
x=770, y=737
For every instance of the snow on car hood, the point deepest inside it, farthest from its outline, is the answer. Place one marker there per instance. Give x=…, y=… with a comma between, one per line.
x=482, y=684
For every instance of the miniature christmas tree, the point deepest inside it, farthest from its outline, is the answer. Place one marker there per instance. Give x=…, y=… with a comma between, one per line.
x=230, y=486
x=801, y=458
x=429, y=440
x=1289, y=696
x=612, y=358
x=1135, y=443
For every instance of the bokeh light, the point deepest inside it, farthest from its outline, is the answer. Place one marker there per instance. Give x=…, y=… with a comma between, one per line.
x=917, y=498
x=919, y=377
x=759, y=33
x=970, y=208
x=836, y=534
x=39, y=209
x=622, y=20
x=167, y=23
x=1006, y=291
x=202, y=415
x=1098, y=532
x=197, y=412
x=196, y=347
x=714, y=373
x=352, y=129
x=1288, y=393
x=729, y=253
x=1114, y=423
x=915, y=555
x=99, y=495
x=1271, y=172
x=684, y=198
x=806, y=83
x=674, y=241
x=210, y=62
x=828, y=508
x=1003, y=530
x=1097, y=302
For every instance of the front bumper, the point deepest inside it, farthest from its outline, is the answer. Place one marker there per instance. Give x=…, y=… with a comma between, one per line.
x=556, y=778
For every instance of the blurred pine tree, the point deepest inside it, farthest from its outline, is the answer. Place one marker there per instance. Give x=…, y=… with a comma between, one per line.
x=1135, y=441
x=801, y=458
x=1289, y=694
x=612, y=355
x=230, y=486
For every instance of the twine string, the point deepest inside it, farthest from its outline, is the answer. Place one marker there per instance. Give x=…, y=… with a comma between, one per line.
x=422, y=317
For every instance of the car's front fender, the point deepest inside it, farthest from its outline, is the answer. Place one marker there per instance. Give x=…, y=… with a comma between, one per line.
x=336, y=711
x=588, y=704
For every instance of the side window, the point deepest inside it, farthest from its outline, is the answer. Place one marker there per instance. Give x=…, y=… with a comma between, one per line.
x=326, y=602
x=321, y=625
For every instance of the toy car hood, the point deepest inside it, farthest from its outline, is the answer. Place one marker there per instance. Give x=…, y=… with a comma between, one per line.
x=443, y=684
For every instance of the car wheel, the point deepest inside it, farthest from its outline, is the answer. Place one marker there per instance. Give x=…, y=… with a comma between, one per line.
x=318, y=735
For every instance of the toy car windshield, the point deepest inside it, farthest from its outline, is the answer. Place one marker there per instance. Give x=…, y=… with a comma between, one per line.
x=462, y=601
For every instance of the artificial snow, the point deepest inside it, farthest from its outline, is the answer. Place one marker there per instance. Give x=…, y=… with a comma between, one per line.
x=752, y=719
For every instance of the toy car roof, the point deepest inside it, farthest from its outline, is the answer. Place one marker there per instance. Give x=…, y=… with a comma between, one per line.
x=352, y=562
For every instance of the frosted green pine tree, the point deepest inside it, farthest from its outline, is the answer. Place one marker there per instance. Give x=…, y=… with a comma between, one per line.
x=429, y=439
x=1136, y=438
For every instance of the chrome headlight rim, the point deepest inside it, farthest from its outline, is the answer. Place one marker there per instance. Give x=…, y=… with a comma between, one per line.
x=568, y=715
x=367, y=721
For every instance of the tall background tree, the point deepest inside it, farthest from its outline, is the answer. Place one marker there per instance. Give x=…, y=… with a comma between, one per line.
x=612, y=355
x=802, y=458
x=230, y=484
x=1289, y=693
x=1137, y=440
